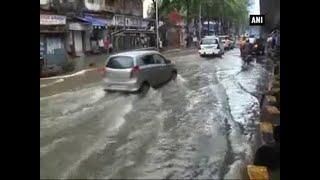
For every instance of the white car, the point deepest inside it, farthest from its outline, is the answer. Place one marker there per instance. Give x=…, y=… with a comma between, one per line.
x=211, y=46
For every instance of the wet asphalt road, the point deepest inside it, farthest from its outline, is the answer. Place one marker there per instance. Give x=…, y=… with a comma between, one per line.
x=203, y=125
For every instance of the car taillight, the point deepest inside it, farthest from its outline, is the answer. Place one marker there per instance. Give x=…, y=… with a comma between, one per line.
x=102, y=70
x=135, y=70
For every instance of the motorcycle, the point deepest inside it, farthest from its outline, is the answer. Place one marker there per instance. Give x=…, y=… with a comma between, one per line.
x=247, y=60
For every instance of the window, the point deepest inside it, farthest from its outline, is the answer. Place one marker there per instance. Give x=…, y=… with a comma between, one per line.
x=146, y=60
x=158, y=59
x=120, y=62
x=209, y=41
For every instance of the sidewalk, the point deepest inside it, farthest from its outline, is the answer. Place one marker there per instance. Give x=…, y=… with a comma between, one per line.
x=93, y=61
x=96, y=61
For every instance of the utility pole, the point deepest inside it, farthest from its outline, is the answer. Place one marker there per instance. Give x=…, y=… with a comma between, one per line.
x=200, y=24
x=187, y=30
x=157, y=25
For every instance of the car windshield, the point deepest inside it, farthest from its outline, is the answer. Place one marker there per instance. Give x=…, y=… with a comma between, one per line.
x=209, y=41
x=120, y=62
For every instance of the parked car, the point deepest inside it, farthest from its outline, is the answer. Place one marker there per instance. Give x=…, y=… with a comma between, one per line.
x=211, y=46
x=136, y=71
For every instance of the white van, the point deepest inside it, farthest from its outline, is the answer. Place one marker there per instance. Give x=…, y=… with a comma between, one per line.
x=211, y=46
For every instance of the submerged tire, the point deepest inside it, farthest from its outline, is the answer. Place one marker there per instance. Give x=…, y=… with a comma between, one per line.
x=174, y=75
x=144, y=89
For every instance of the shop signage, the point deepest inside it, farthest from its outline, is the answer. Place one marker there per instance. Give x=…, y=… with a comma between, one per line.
x=133, y=22
x=127, y=21
x=118, y=21
x=144, y=24
x=52, y=19
x=42, y=50
x=78, y=27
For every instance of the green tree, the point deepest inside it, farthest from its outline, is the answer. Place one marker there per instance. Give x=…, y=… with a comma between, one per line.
x=230, y=13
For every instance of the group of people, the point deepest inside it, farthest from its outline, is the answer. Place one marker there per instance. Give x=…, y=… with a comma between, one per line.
x=274, y=39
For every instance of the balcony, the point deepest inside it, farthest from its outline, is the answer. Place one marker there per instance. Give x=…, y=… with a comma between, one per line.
x=67, y=7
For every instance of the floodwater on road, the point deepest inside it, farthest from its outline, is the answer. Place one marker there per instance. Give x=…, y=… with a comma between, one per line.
x=203, y=125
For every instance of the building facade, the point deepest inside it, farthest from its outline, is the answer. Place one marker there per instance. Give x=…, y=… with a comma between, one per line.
x=271, y=10
x=52, y=37
x=100, y=26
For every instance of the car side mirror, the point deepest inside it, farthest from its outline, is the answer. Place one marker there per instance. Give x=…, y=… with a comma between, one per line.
x=168, y=61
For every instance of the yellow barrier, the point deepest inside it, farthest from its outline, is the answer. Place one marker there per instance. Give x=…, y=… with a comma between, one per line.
x=257, y=172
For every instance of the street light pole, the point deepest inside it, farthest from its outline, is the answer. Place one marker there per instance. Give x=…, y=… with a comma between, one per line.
x=157, y=25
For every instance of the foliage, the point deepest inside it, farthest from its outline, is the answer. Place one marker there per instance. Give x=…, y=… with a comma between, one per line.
x=232, y=11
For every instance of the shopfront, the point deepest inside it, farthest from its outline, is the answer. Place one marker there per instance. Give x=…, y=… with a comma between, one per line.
x=79, y=38
x=98, y=33
x=52, y=40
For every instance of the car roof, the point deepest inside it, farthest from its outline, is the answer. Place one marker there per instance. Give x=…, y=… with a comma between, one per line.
x=210, y=36
x=134, y=54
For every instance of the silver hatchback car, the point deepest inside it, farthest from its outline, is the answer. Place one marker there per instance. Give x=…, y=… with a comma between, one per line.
x=136, y=71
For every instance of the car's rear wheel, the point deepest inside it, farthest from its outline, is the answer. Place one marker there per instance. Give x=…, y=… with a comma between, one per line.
x=109, y=91
x=174, y=75
x=144, y=88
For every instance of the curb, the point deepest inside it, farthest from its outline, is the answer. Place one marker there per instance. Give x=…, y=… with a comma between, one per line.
x=81, y=72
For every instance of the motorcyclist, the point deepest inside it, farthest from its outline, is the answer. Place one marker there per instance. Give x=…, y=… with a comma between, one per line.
x=246, y=52
x=242, y=44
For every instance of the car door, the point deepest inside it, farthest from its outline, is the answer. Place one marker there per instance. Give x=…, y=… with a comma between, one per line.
x=149, y=69
x=164, y=69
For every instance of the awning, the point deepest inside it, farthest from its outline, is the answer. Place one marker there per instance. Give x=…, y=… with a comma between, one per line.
x=94, y=21
x=134, y=31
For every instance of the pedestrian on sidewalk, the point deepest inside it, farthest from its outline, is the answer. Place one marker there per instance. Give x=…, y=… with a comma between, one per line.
x=101, y=45
x=195, y=41
x=106, y=45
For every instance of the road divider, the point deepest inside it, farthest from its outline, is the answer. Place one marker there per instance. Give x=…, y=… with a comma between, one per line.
x=257, y=172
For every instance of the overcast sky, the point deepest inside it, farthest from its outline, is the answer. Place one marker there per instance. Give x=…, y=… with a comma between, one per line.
x=254, y=9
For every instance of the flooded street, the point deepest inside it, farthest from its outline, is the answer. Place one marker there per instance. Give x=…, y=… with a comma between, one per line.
x=203, y=125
